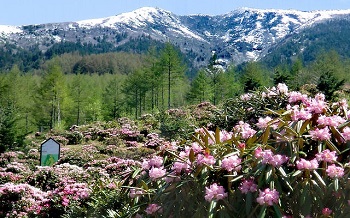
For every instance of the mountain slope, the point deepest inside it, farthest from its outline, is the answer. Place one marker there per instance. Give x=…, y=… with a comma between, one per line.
x=241, y=35
x=332, y=34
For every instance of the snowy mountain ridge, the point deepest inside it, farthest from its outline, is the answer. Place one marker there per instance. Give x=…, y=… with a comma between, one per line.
x=240, y=35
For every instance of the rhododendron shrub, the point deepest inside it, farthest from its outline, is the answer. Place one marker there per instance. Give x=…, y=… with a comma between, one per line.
x=292, y=161
x=286, y=156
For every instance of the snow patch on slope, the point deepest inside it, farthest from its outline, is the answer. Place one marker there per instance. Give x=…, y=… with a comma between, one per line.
x=7, y=30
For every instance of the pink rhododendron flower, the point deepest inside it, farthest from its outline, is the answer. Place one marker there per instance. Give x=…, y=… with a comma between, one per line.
x=153, y=208
x=231, y=163
x=155, y=161
x=327, y=156
x=320, y=134
x=334, y=171
x=301, y=114
x=277, y=160
x=195, y=147
x=246, y=97
x=65, y=201
x=258, y=152
x=248, y=185
x=296, y=96
x=214, y=192
x=346, y=133
x=244, y=129
x=330, y=121
x=241, y=145
x=317, y=105
x=180, y=166
x=266, y=156
x=205, y=159
x=224, y=135
x=303, y=164
x=156, y=173
x=282, y=88
x=136, y=192
x=268, y=197
x=326, y=211
x=263, y=122
x=269, y=158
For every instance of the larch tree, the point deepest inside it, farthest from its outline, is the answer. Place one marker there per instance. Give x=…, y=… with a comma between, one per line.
x=50, y=97
x=134, y=90
x=215, y=71
x=113, y=98
x=201, y=89
x=79, y=93
x=172, y=66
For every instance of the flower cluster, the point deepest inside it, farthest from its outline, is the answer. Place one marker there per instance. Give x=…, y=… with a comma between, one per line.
x=269, y=158
x=248, y=185
x=231, y=163
x=303, y=164
x=244, y=130
x=327, y=156
x=334, y=171
x=268, y=197
x=215, y=192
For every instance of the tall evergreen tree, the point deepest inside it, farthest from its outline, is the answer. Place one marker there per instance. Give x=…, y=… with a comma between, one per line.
x=79, y=94
x=171, y=65
x=12, y=105
x=50, y=98
x=254, y=77
x=200, y=89
x=330, y=71
x=112, y=98
x=214, y=71
x=133, y=90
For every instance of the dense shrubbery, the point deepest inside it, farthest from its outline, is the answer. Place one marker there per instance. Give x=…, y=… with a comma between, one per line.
x=287, y=156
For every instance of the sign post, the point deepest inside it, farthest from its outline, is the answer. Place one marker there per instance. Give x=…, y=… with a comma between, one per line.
x=49, y=152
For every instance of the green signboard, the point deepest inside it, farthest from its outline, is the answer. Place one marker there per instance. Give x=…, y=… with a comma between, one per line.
x=49, y=152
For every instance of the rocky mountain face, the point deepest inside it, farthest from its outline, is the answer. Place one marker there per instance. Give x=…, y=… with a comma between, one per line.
x=241, y=35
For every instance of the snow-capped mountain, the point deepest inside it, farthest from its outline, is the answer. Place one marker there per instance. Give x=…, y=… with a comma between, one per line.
x=241, y=35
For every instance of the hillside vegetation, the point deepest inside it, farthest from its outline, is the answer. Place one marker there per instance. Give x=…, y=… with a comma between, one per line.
x=71, y=89
x=267, y=152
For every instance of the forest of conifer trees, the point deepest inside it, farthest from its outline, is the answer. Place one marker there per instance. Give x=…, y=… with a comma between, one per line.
x=72, y=89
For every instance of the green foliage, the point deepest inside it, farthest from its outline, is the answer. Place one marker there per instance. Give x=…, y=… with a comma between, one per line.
x=51, y=97
x=250, y=107
x=112, y=98
x=200, y=88
x=254, y=77
x=13, y=108
x=329, y=84
x=176, y=123
x=7, y=129
x=171, y=67
x=331, y=73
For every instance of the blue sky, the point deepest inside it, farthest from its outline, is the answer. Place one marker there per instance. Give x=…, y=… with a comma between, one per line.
x=22, y=12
